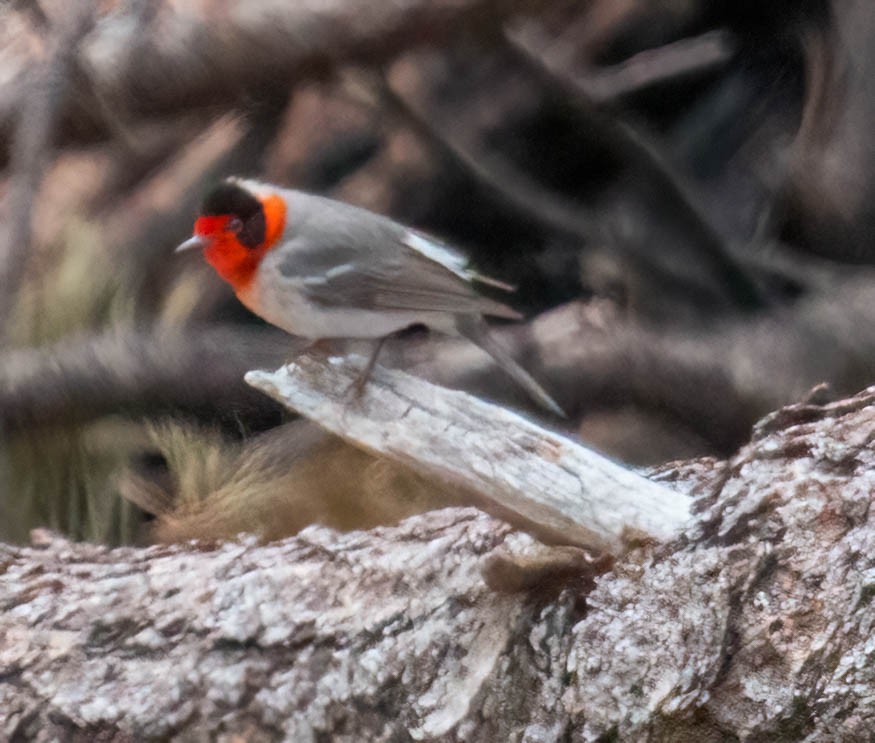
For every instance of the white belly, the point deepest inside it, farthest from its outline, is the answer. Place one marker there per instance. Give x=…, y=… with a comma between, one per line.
x=278, y=300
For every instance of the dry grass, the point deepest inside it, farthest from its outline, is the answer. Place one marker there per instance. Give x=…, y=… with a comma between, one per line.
x=273, y=485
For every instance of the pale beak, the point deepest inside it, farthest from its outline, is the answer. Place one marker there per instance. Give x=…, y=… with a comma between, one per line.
x=196, y=241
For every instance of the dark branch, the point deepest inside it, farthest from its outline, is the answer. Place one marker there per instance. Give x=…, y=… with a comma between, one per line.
x=34, y=135
x=197, y=371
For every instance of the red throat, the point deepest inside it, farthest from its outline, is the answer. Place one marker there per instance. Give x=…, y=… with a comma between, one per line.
x=234, y=262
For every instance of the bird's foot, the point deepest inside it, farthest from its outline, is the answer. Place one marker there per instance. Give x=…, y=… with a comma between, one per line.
x=357, y=386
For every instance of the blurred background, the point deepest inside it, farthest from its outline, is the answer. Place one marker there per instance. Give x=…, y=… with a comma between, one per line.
x=683, y=192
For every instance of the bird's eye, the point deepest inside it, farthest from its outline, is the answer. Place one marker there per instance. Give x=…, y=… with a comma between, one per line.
x=235, y=224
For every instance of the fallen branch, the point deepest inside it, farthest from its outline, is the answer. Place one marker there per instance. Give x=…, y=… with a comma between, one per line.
x=532, y=477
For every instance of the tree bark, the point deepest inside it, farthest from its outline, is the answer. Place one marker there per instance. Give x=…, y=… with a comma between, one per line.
x=754, y=625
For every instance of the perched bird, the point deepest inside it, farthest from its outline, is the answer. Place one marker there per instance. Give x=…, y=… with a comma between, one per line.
x=322, y=269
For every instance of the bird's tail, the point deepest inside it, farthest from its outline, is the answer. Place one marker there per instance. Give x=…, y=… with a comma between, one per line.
x=475, y=329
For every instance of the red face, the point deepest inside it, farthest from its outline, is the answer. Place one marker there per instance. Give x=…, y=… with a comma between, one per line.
x=236, y=229
x=233, y=260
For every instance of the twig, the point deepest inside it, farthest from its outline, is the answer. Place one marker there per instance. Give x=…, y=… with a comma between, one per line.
x=32, y=143
x=531, y=477
x=684, y=58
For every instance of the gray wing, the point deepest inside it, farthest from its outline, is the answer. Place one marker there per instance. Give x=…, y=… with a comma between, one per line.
x=390, y=267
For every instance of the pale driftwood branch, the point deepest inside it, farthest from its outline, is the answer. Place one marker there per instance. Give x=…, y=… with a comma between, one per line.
x=537, y=479
x=756, y=626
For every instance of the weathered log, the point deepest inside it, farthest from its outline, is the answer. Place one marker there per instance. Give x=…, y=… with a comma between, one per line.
x=756, y=625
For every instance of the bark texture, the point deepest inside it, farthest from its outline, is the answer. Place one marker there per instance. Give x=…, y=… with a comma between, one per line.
x=756, y=624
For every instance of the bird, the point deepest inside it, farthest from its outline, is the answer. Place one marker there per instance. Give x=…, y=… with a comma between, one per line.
x=323, y=269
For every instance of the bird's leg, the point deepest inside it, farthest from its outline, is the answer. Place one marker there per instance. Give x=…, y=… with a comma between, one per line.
x=358, y=384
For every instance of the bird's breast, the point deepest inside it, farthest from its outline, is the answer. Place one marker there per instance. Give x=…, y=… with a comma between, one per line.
x=282, y=301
